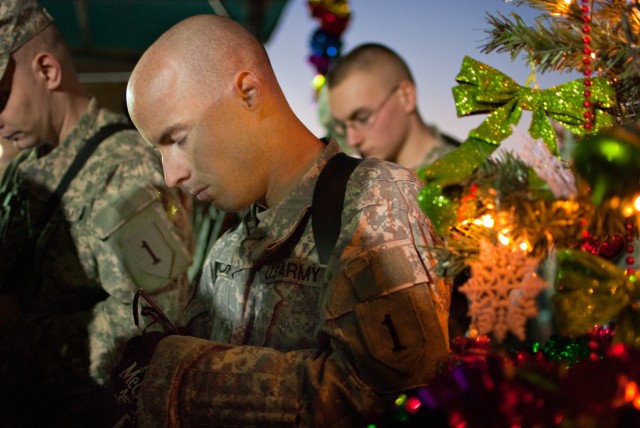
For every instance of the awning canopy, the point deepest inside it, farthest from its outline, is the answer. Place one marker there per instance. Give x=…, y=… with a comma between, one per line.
x=110, y=35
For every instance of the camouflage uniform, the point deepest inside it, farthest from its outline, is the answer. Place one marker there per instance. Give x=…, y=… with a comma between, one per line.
x=296, y=343
x=118, y=229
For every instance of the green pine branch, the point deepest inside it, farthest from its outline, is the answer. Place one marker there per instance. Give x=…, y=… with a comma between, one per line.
x=554, y=42
x=508, y=186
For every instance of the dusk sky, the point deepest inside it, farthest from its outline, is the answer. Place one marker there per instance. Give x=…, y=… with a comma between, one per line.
x=432, y=36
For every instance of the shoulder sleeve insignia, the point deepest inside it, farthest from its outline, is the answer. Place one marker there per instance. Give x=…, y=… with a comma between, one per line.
x=137, y=229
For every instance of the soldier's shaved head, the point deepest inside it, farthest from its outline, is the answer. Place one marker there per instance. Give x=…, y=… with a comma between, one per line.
x=48, y=40
x=206, y=95
x=372, y=58
x=207, y=50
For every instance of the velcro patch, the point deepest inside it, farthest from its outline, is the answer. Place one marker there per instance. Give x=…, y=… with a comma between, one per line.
x=295, y=271
x=380, y=272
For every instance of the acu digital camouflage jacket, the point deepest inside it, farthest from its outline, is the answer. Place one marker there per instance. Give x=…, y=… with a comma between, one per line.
x=291, y=342
x=118, y=229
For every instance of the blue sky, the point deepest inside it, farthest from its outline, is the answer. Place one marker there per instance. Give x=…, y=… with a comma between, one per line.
x=432, y=36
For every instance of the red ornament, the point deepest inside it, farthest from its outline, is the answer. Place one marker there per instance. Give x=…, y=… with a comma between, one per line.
x=607, y=249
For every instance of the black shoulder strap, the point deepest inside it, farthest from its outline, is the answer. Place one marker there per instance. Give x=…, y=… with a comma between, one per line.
x=28, y=248
x=81, y=157
x=328, y=201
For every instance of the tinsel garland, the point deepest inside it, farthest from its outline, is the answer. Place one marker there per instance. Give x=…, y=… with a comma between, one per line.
x=585, y=382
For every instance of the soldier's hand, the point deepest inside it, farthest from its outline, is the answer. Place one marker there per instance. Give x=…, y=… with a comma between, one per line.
x=128, y=374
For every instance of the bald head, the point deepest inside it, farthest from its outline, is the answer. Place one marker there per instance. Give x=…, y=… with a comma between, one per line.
x=372, y=59
x=206, y=96
x=199, y=56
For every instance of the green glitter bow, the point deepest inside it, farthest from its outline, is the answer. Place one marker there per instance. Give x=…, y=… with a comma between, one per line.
x=483, y=89
x=590, y=291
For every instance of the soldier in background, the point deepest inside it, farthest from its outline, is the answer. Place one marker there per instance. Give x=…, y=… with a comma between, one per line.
x=373, y=98
x=72, y=259
x=285, y=338
x=374, y=103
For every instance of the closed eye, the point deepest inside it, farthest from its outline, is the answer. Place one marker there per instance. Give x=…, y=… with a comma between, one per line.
x=181, y=142
x=361, y=117
x=171, y=135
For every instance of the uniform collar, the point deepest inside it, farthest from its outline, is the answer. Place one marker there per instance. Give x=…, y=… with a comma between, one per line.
x=277, y=224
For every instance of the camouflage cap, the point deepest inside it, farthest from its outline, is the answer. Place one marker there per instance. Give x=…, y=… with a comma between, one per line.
x=20, y=20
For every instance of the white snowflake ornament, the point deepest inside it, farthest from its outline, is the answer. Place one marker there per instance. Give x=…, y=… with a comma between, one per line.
x=502, y=290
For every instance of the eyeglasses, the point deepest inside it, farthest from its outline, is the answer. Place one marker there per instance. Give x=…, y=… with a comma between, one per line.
x=153, y=311
x=360, y=121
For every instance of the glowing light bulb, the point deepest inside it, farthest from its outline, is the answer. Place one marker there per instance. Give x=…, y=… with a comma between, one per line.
x=628, y=209
x=525, y=246
x=487, y=221
x=401, y=399
x=630, y=392
x=504, y=240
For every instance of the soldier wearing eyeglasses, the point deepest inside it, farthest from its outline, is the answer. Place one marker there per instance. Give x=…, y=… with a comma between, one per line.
x=373, y=101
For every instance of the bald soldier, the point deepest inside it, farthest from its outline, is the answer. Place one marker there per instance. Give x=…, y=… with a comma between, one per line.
x=85, y=221
x=374, y=103
x=284, y=339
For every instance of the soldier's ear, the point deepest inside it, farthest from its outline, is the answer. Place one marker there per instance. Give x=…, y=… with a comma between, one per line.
x=47, y=69
x=248, y=88
x=408, y=95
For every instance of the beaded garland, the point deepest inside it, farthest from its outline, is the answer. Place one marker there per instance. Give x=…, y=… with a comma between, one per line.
x=586, y=61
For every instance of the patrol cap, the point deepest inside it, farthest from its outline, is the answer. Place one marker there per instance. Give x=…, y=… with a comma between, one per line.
x=20, y=20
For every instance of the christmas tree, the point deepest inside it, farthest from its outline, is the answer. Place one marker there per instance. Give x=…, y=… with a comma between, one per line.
x=535, y=230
